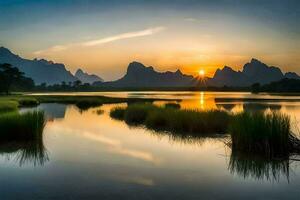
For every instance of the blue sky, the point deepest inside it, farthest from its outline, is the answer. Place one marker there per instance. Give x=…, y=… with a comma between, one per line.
x=191, y=34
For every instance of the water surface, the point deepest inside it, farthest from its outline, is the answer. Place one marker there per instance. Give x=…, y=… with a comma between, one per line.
x=88, y=155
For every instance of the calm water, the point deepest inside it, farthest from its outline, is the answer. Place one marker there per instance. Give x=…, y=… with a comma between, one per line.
x=88, y=155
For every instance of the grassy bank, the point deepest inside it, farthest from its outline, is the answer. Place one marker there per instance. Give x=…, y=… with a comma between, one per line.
x=21, y=127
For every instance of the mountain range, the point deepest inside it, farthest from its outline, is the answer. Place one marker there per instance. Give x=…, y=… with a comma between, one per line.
x=43, y=71
x=139, y=75
x=253, y=72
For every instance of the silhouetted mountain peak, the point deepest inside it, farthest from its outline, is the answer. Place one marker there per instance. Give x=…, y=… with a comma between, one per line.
x=178, y=72
x=87, y=78
x=291, y=75
x=138, y=75
x=39, y=70
x=256, y=61
x=4, y=50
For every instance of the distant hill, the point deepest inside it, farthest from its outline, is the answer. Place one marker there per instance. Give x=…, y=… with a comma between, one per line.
x=253, y=72
x=284, y=85
x=41, y=71
x=87, y=78
x=138, y=75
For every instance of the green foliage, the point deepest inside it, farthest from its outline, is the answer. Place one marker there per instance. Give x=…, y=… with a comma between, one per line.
x=28, y=102
x=137, y=113
x=8, y=106
x=188, y=121
x=21, y=127
x=12, y=78
x=170, y=119
x=284, y=85
x=267, y=134
x=255, y=88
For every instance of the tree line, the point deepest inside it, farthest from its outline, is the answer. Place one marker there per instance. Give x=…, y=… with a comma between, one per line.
x=11, y=79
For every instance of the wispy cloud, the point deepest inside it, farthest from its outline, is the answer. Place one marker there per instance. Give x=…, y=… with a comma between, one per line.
x=190, y=19
x=141, y=33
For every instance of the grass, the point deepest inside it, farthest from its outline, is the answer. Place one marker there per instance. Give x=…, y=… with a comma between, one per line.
x=8, y=106
x=258, y=133
x=172, y=105
x=21, y=127
x=137, y=113
x=28, y=101
x=170, y=119
x=267, y=134
x=86, y=104
x=117, y=113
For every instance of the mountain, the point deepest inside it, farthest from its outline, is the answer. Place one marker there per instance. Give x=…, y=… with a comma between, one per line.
x=41, y=71
x=87, y=78
x=227, y=76
x=291, y=75
x=259, y=72
x=138, y=75
x=253, y=72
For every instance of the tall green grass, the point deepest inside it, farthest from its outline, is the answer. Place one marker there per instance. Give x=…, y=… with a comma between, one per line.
x=8, y=106
x=267, y=134
x=22, y=127
x=137, y=113
x=188, y=121
x=170, y=119
x=28, y=101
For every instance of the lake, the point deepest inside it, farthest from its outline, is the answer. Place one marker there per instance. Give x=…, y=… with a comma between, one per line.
x=88, y=155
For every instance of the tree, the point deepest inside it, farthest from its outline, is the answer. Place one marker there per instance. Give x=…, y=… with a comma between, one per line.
x=12, y=78
x=77, y=83
x=255, y=88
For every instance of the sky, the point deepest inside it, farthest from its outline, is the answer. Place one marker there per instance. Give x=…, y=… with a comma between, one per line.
x=103, y=37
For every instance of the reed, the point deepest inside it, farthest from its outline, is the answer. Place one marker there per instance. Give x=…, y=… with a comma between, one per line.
x=170, y=119
x=22, y=127
x=8, y=106
x=266, y=134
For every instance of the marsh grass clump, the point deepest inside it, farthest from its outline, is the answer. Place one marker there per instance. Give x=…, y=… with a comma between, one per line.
x=137, y=113
x=8, y=106
x=22, y=127
x=28, y=102
x=175, y=120
x=86, y=104
x=117, y=113
x=173, y=105
x=266, y=134
x=188, y=121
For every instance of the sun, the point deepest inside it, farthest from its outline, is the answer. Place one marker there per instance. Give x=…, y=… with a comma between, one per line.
x=201, y=72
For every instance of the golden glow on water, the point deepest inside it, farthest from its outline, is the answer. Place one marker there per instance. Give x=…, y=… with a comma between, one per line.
x=105, y=156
